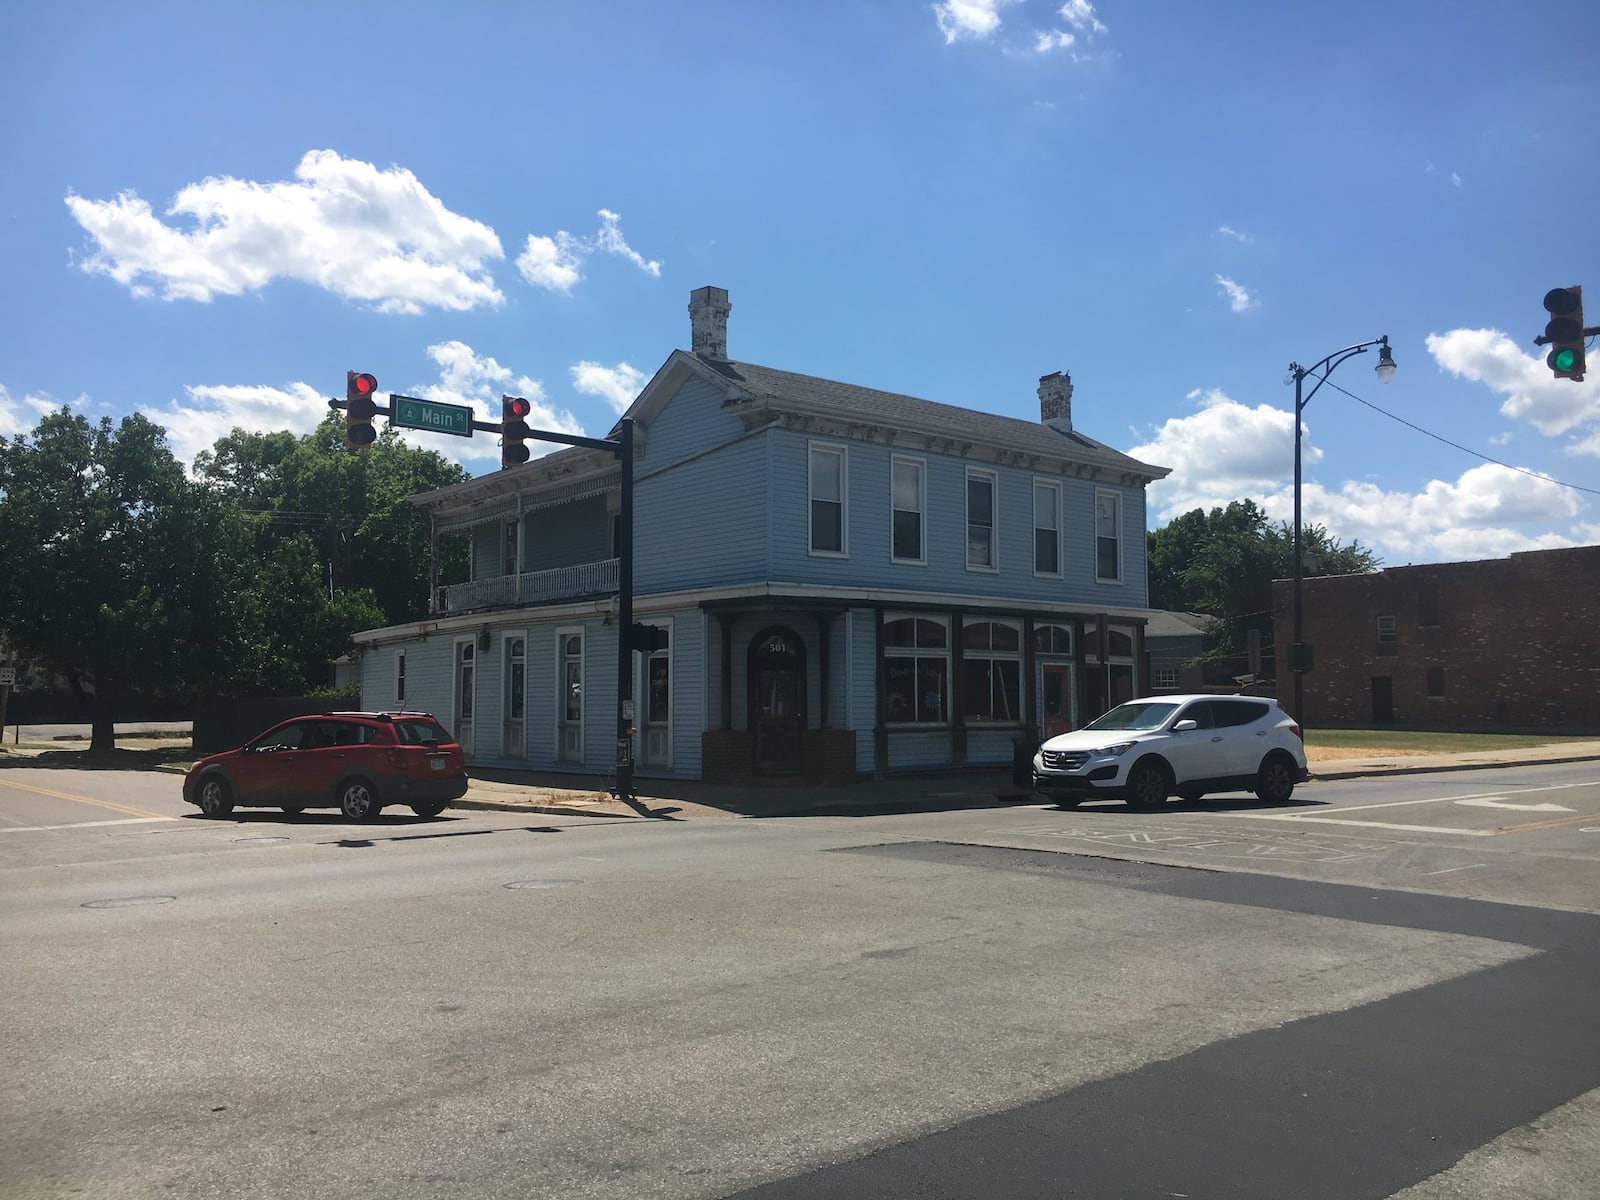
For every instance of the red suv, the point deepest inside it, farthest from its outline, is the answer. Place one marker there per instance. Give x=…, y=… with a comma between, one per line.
x=353, y=761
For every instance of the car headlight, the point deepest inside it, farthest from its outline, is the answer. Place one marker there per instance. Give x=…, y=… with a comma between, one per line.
x=1115, y=751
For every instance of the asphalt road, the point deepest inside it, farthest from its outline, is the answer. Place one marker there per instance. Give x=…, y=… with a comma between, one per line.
x=1215, y=1001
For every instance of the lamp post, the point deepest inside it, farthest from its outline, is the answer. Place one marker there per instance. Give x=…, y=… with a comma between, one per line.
x=1385, y=370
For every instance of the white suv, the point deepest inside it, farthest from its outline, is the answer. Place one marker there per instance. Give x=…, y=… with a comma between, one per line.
x=1145, y=750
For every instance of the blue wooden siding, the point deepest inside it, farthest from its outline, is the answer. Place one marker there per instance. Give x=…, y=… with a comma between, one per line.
x=944, y=527
x=691, y=421
x=566, y=535
x=703, y=523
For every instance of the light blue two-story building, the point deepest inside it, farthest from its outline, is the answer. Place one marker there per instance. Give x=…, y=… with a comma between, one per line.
x=851, y=583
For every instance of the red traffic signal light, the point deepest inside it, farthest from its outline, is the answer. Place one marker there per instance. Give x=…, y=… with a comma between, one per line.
x=360, y=406
x=1564, y=332
x=514, y=430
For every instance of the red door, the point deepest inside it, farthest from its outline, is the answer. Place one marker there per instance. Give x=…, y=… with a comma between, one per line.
x=1055, y=699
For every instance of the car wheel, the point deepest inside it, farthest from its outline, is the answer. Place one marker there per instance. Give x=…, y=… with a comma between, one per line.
x=293, y=810
x=359, y=801
x=431, y=809
x=1147, y=786
x=1275, y=780
x=216, y=797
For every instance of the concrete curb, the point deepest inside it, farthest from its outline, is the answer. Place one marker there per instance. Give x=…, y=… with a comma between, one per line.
x=1367, y=772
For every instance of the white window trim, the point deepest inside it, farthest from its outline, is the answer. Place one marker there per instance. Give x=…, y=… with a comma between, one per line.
x=1055, y=655
x=922, y=510
x=562, y=634
x=400, y=677
x=1121, y=572
x=1169, y=674
x=641, y=690
x=1061, y=554
x=993, y=566
x=842, y=453
x=455, y=686
x=944, y=652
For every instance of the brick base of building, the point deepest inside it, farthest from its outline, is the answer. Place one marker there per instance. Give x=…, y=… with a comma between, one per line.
x=828, y=756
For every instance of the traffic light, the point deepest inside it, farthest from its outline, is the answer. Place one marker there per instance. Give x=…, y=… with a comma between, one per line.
x=646, y=639
x=360, y=406
x=1564, y=333
x=514, y=430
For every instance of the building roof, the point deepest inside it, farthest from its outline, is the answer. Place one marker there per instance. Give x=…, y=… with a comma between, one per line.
x=852, y=402
x=1176, y=624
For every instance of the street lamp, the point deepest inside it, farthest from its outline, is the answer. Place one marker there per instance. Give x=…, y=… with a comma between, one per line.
x=1385, y=372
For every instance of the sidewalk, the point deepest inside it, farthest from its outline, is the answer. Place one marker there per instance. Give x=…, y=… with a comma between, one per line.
x=529, y=791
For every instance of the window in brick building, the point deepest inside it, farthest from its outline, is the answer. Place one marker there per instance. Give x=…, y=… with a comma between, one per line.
x=1435, y=683
x=1386, y=637
x=1428, y=610
x=1165, y=677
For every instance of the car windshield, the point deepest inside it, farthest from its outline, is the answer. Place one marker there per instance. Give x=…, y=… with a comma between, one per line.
x=1134, y=716
x=417, y=733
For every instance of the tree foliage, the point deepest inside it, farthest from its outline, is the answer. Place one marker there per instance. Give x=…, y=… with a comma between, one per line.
x=127, y=579
x=1223, y=562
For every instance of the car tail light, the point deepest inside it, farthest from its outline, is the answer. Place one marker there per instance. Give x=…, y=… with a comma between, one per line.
x=1298, y=732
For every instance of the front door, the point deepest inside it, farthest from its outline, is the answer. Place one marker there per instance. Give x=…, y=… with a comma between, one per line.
x=778, y=702
x=1055, y=699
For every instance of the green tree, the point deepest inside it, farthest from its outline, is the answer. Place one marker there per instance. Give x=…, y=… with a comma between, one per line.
x=356, y=507
x=1223, y=562
x=115, y=563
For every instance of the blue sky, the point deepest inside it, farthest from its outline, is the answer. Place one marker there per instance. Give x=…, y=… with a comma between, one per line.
x=213, y=211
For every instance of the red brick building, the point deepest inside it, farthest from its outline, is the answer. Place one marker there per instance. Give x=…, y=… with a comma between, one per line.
x=1504, y=644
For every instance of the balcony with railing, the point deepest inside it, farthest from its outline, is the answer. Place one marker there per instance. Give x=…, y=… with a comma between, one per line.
x=581, y=582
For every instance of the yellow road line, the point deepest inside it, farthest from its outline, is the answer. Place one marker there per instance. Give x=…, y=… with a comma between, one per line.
x=1559, y=821
x=114, y=807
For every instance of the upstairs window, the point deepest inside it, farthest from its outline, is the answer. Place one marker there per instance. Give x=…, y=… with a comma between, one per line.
x=908, y=500
x=827, y=499
x=1046, y=528
x=1107, y=537
x=980, y=520
x=1388, y=642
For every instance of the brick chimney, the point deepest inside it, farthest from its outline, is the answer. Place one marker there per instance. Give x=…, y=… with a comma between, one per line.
x=708, y=322
x=1055, y=401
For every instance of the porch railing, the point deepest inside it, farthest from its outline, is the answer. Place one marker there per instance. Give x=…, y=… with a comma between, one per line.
x=531, y=588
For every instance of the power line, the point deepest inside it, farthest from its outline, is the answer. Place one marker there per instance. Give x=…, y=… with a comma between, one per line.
x=1457, y=445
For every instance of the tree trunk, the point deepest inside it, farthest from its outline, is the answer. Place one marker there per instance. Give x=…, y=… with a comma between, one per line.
x=103, y=736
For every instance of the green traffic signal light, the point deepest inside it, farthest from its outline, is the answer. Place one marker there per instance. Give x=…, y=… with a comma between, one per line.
x=1563, y=359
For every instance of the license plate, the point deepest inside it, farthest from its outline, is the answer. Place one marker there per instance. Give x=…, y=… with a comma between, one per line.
x=436, y=763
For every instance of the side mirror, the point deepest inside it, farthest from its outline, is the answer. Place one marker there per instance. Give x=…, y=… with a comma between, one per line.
x=1185, y=725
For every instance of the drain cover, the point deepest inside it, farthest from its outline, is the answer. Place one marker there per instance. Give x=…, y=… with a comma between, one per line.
x=523, y=884
x=259, y=841
x=128, y=902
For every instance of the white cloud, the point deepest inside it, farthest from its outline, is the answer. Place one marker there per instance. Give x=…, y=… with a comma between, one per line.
x=213, y=411
x=1552, y=406
x=1229, y=231
x=22, y=416
x=1228, y=451
x=370, y=235
x=1239, y=298
x=617, y=385
x=1455, y=180
x=1058, y=39
x=960, y=19
x=557, y=263
x=1080, y=15
x=479, y=381
x=550, y=262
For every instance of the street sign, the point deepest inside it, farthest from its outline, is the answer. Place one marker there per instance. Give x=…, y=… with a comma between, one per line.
x=412, y=413
x=8, y=676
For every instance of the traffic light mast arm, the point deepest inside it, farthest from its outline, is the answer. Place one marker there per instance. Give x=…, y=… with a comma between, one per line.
x=1591, y=331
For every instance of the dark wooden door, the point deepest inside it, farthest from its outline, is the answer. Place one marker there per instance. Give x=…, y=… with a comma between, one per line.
x=778, y=702
x=1382, y=700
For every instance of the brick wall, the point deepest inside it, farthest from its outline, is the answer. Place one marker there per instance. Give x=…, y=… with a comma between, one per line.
x=1504, y=644
x=726, y=756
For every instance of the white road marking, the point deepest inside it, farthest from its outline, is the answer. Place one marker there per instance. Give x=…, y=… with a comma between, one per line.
x=1447, y=870
x=1490, y=802
x=85, y=824
x=1363, y=824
